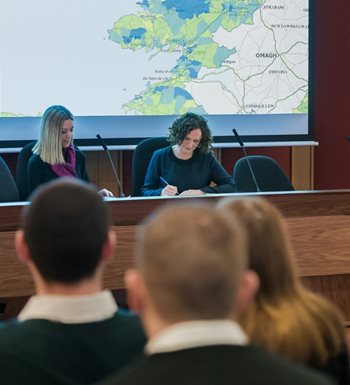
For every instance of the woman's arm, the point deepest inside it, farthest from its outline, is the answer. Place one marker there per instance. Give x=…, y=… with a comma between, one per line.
x=152, y=178
x=35, y=172
x=222, y=179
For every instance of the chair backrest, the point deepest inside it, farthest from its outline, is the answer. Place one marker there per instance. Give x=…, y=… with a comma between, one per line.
x=22, y=179
x=268, y=174
x=8, y=187
x=140, y=161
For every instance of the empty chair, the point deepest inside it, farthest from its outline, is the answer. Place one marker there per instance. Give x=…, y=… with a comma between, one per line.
x=8, y=187
x=140, y=161
x=22, y=179
x=268, y=174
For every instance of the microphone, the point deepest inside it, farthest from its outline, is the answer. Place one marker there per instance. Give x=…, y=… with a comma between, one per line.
x=104, y=146
x=239, y=140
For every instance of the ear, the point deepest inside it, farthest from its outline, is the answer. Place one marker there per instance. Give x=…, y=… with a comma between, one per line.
x=109, y=246
x=21, y=247
x=249, y=286
x=135, y=289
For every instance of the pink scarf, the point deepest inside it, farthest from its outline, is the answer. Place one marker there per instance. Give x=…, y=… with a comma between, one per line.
x=68, y=168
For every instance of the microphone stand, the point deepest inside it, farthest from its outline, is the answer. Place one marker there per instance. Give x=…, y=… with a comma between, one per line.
x=239, y=140
x=103, y=144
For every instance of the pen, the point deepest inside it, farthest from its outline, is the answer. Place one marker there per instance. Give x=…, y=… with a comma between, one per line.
x=163, y=180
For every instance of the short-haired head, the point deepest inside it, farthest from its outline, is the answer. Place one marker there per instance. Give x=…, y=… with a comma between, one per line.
x=65, y=228
x=269, y=250
x=186, y=123
x=191, y=259
x=49, y=145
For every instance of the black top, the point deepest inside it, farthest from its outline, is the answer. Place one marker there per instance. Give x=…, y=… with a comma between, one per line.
x=336, y=367
x=217, y=365
x=40, y=172
x=42, y=352
x=195, y=173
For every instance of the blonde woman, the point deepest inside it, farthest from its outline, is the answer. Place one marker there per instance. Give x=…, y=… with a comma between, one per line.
x=286, y=318
x=54, y=154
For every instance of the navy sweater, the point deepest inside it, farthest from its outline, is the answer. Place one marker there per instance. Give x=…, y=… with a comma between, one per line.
x=42, y=352
x=195, y=173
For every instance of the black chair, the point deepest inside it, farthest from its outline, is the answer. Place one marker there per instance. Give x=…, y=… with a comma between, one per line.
x=140, y=161
x=22, y=180
x=8, y=187
x=268, y=174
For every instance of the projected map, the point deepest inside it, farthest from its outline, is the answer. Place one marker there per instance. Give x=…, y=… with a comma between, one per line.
x=155, y=57
x=233, y=56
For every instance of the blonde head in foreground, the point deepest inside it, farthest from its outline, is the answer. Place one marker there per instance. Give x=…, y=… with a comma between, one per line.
x=285, y=318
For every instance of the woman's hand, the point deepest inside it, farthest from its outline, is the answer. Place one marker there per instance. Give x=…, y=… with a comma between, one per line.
x=106, y=193
x=169, y=190
x=192, y=192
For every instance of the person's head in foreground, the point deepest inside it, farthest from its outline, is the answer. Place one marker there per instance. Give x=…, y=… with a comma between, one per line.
x=285, y=318
x=190, y=284
x=71, y=331
x=191, y=263
x=65, y=238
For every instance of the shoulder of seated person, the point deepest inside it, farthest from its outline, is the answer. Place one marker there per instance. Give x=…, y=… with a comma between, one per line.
x=35, y=158
x=161, y=150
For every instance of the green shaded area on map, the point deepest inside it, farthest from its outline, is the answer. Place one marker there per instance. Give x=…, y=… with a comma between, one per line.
x=10, y=115
x=303, y=106
x=182, y=26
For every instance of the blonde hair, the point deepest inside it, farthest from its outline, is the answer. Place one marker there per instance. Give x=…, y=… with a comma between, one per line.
x=191, y=259
x=285, y=318
x=49, y=146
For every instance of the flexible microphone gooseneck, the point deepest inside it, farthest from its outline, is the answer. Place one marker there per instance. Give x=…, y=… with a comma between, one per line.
x=239, y=140
x=104, y=146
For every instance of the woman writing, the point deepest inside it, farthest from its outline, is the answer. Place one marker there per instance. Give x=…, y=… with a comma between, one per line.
x=187, y=167
x=54, y=154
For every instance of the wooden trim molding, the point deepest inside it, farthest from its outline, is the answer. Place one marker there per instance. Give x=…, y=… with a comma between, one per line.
x=302, y=167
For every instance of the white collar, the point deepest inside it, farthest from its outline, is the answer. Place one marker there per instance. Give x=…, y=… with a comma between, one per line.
x=192, y=334
x=70, y=309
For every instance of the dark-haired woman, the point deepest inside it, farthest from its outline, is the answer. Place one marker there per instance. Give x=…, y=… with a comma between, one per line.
x=187, y=166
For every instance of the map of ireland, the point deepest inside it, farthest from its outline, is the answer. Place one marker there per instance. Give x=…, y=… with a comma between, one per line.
x=154, y=57
x=234, y=57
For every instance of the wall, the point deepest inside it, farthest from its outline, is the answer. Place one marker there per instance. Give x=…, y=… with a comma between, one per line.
x=332, y=94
